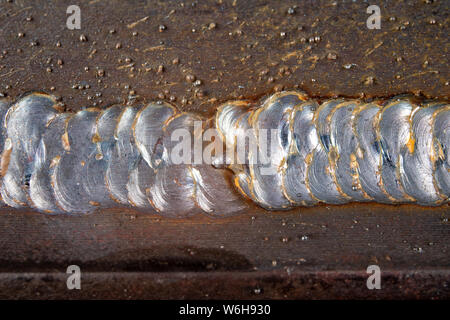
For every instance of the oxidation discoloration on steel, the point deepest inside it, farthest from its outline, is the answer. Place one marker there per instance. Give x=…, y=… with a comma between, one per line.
x=236, y=51
x=285, y=152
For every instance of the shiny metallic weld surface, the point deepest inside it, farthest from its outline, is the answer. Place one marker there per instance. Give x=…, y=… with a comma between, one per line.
x=336, y=151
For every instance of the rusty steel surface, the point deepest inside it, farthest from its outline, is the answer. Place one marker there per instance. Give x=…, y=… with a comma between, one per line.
x=139, y=51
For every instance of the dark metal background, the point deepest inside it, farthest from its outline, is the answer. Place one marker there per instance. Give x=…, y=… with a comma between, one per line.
x=237, y=49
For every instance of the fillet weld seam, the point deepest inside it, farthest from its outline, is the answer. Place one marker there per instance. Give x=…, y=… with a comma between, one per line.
x=338, y=151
